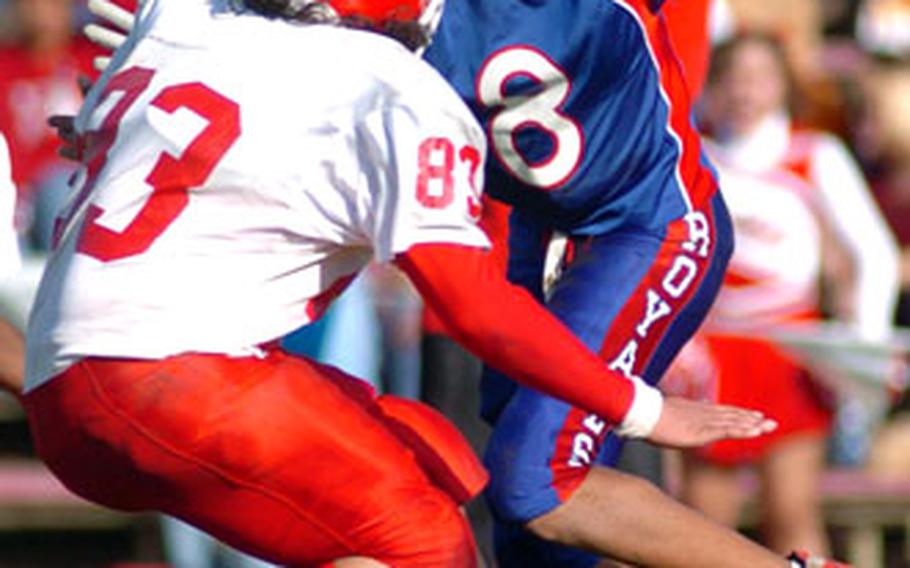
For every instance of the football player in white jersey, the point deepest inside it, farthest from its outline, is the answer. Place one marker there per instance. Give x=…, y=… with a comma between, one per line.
x=222, y=204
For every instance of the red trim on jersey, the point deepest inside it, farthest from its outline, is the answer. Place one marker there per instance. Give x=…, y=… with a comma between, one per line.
x=687, y=22
x=631, y=314
x=566, y=476
x=507, y=328
x=697, y=181
x=566, y=479
x=494, y=220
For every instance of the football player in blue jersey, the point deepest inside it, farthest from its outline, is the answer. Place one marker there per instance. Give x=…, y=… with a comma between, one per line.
x=588, y=116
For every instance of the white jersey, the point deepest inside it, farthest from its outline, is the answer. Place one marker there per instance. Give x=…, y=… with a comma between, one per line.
x=773, y=274
x=239, y=171
x=841, y=203
x=10, y=261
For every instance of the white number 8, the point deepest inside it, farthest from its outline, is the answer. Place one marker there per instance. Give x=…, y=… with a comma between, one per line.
x=540, y=110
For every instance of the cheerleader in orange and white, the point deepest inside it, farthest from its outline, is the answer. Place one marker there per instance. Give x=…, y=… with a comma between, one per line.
x=792, y=192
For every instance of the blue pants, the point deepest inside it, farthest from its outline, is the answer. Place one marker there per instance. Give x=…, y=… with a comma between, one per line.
x=633, y=296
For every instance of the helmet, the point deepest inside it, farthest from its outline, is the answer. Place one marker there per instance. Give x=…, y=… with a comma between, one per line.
x=380, y=11
x=424, y=13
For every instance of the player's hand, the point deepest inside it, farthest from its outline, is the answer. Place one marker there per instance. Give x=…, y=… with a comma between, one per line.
x=122, y=22
x=685, y=423
x=66, y=132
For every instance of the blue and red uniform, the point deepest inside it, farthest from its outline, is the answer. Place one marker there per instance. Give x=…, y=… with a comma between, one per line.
x=588, y=116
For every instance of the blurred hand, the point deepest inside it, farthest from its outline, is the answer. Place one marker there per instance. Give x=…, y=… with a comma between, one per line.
x=66, y=132
x=107, y=38
x=688, y=423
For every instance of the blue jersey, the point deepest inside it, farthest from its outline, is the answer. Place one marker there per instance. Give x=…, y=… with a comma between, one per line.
x=585, y=106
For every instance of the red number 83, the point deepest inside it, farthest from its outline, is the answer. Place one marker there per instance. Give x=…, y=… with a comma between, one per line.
x=171, y=178
x=436, y=165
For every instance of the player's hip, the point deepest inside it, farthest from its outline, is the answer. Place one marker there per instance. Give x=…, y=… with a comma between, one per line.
x=232, y=444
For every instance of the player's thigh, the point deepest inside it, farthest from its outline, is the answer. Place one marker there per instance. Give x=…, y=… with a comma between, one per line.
x=268, y=455
x=541, y=448
x=320, y=441
x=442, y=452
x=520, y=456
x=636, y=297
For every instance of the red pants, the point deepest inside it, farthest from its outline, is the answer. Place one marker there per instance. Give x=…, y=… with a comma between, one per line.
x=281, y=457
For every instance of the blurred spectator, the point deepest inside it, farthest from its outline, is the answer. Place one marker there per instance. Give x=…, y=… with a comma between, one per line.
x=399, y=310
x=12, y=344
x=798, y=23
x=38, y=73
x=793, y=192
x=10, y=262
x=883, y=27
x=839, y=16
x=882, y=139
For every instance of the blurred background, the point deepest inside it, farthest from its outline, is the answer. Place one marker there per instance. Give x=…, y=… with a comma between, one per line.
x=806, y=109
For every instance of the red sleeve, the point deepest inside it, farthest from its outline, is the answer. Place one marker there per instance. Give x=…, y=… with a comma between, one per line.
x=687, y=21
x=503, y=325
x=495, y=223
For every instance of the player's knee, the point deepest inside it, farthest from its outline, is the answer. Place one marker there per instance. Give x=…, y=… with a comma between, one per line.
x=551, y=526
x=443, y=453
x=569, y=522
x=437, y=535
x=515, y=496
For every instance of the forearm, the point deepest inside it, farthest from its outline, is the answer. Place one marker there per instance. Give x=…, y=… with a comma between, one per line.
x=509, y=330
x=12, y=358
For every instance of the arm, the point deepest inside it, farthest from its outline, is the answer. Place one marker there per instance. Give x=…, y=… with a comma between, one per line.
x=504, y=326
x=859, y=226
x=509, y=330
x=12, y=359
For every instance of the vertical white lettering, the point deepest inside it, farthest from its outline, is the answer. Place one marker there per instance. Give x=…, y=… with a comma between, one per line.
x=699, y=234
x=625, y=362
x=582, y=446
x=657, y=308
x=595, y=424
x=680, y=276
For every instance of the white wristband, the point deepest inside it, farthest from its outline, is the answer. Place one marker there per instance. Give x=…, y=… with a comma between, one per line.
x=644, y=413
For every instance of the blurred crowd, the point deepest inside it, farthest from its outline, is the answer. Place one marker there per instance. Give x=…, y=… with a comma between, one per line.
x=808, y=97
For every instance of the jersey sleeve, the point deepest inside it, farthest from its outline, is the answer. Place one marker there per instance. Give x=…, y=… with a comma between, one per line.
x=426, y=177
x=861, y=228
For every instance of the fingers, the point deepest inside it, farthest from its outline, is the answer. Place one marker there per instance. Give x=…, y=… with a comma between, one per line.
x=66, y=131
x=687, y=423
x=65, y=126
x=101, y=63
x=737, y=423
x=107, y=38
x=104, y=37
x=112, y=13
